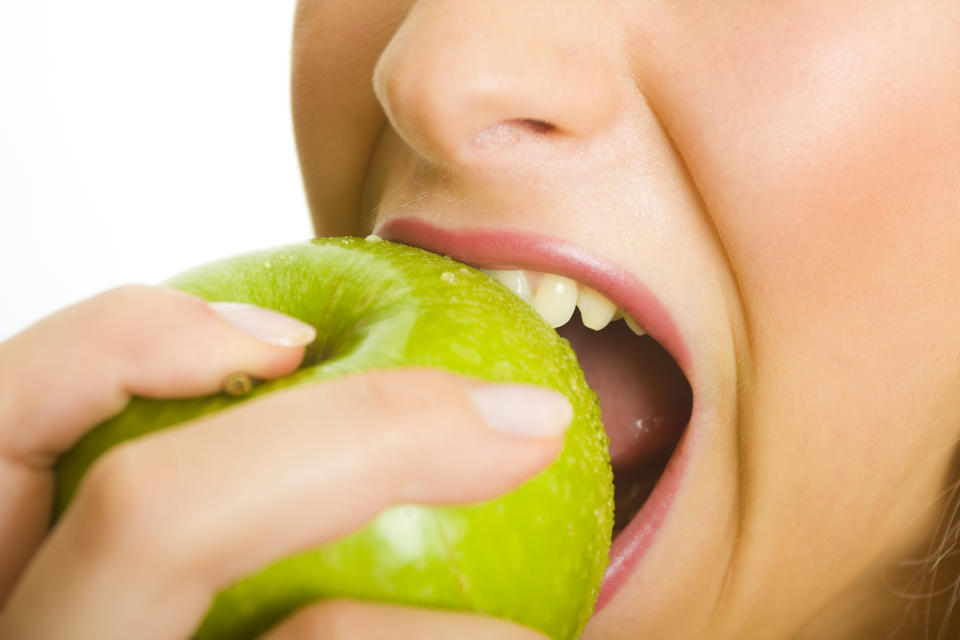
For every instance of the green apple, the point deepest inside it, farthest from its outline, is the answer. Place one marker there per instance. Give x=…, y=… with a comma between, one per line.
x=536, y=555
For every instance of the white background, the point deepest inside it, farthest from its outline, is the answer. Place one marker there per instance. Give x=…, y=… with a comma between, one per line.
x=138, y=139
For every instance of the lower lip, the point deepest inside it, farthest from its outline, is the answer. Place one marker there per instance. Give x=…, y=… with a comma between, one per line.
x=632, y=543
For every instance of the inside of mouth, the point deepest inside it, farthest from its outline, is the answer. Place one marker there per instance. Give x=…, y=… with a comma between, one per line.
x=645, y=403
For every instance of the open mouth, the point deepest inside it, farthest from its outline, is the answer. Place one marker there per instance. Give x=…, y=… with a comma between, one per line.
x=645, y=404
x=645, y=399
x=627, y=345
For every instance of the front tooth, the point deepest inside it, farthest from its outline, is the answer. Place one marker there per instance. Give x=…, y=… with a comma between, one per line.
x=515, y=280
x=596, y=312
x=633, y=325
x=555, y=299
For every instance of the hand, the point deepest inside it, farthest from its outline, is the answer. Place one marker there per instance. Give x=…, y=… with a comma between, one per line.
x=160, y=524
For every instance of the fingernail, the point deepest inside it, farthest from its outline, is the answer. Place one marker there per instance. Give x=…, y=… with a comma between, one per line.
x=266, y=325
x=522, y=410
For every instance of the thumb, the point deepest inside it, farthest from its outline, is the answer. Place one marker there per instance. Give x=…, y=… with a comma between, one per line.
x=335, y=619
x=159, y=513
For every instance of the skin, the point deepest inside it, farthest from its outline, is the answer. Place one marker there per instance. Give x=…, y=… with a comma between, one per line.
x=793, y=163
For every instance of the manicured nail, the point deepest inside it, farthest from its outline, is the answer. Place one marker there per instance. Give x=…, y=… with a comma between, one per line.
x=522, y=410
x=267, y=325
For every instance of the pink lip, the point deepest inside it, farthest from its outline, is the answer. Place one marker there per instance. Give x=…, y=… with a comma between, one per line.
x=506, y=249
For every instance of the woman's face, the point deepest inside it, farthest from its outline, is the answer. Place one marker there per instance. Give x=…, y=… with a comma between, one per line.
x=782, y=177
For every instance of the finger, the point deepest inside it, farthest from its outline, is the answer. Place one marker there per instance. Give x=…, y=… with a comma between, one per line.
x=79, y=366
x=164, y=522
x=210, y=502
x=349, y=619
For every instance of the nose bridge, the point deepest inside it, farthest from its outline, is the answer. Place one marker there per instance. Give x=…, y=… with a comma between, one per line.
x=458, y=75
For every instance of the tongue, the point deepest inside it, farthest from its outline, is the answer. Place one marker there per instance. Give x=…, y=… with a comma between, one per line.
x=645, y=400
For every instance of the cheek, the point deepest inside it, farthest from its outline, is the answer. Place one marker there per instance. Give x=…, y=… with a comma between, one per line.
x=336, y=117
x=827, y=152
x=826, y=148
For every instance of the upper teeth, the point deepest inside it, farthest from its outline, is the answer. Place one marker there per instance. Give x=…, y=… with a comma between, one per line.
x=555, y=297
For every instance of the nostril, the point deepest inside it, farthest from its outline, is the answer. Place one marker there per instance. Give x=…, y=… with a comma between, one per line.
x=506, y=132
x=537, y=126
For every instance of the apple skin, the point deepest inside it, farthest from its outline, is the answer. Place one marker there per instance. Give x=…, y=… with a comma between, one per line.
x=536, y=555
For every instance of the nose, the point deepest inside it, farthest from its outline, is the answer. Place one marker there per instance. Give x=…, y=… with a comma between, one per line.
x=460, y=79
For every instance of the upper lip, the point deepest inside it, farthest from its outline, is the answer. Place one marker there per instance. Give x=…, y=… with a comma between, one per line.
x=504, y=249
